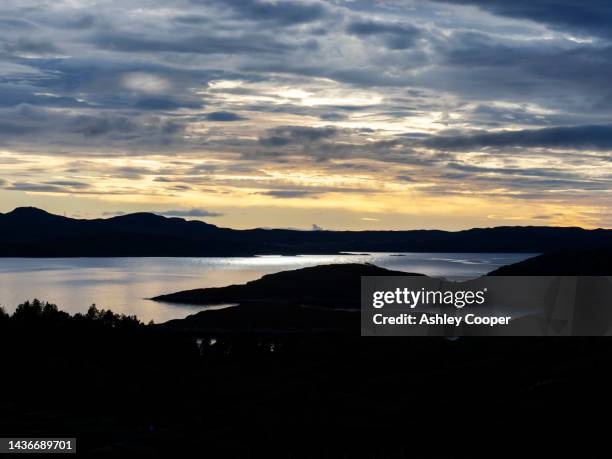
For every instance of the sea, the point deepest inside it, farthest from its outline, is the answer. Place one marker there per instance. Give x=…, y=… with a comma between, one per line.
x=125, y=285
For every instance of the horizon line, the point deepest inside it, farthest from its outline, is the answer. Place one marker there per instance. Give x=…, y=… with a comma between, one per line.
x=317, y=229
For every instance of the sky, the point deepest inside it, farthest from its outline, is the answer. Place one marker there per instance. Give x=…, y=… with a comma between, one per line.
x=339, y=114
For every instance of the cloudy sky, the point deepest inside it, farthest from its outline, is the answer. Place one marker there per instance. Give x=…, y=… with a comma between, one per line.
x=345, y=114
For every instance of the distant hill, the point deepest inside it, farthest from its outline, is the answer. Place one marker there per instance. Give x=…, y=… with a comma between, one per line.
x=31, y=232
x=330, y=286
x=565, y=263
x=317, y=299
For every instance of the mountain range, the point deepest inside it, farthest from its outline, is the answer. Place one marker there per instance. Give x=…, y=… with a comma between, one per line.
x=31, y=232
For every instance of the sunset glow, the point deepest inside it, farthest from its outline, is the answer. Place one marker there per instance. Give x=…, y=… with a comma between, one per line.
x=343, y=114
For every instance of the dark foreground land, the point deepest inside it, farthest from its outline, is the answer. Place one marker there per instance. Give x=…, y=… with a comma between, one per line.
x=562, y=263
x=124, y=388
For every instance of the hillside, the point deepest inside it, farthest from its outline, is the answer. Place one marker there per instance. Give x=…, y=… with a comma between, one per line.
x=31, y=232
x=313, y=300
x=330, y=286
x=565, y=263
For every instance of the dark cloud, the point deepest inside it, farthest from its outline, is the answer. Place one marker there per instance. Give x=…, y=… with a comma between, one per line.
x=478, y=67
x=525, y=181
x=333, y=117
x=13, y=95
x=581, y=137
x=288, y=135
x=59, y=18
x=270, y=156
x=39, y=125
x=130, y=172
x=394, y=35
x=547, y=217
x=189, y=213
x=28, y=47
x=490, y=116
x=197, y=20
x=15, y=23
x=49, y=187
x=194, y=44
x=586, y=16
x=224, y=116
x=163, y=103
x=525, y=171
x=544, y=186
x=69, y=184
x=287, y=194
x=286, y=12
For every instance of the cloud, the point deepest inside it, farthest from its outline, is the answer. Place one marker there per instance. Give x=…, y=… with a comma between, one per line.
x=130, y=172
x=69, y=184
x=196, y=20
x=189, y=213
x=288, y=194
x=547, y=217
x=300, y=98
x=287, y=135
x=285, y=12
x=254, y=43
x=25, y=47
x=49, y=128
x=395, y=35
x=49, y=187
x=224, y=116
x=333, y=117
x=582, y=137
x=586, y=16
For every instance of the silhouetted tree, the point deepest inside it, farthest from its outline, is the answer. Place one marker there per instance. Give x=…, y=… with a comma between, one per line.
x=108, y=318
x=51, y=313
x=93, y=313
x=28, y=311
x=4, y=317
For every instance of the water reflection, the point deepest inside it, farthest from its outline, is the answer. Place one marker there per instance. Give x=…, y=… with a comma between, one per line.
x=122, y=284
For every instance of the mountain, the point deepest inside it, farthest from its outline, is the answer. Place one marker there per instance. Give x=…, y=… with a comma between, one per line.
x=36, y=233
x=29, y=231
x=329, y=286
x=564, y=263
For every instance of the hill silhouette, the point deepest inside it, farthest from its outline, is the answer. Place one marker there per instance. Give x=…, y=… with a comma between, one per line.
x=313, y=300
x=331, y=286
x=32, y=232
x=564, y=263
